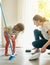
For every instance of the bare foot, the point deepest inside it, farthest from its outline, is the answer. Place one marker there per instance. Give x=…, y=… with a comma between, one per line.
x=7, y=54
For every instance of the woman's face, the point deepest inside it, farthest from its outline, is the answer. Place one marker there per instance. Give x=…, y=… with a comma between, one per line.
x=37, y=23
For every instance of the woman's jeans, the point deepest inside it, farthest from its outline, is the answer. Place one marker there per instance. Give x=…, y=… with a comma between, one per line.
x=39, y=40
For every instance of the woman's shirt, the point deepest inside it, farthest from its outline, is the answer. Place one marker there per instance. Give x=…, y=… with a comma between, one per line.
x=44, y=30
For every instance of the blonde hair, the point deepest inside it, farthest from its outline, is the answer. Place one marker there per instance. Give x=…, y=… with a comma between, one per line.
x=39, y=18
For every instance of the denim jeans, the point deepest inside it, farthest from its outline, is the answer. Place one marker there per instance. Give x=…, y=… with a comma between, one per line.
x=39, y=40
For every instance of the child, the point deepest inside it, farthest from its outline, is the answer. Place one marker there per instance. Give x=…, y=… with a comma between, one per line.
x=13, y=33
x=44, y=42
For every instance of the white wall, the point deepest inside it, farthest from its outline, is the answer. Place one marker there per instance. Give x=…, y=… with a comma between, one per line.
x=21, y=11
x=9, y=7
x=29, y=8
x=0, y=28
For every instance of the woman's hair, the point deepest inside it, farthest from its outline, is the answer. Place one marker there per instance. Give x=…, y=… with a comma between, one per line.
x=19, y=27
x=39, y=18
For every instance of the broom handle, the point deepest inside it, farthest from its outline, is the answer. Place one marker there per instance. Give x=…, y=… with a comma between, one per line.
x=6, y=26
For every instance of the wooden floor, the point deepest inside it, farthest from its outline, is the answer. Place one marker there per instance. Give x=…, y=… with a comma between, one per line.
x=22, y=58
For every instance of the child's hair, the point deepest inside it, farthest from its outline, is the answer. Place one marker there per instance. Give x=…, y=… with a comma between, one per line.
x=19, y=27
x=39, y=18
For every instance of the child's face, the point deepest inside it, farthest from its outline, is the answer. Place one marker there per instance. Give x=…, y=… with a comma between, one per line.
x=22, y=31
x=37, y=23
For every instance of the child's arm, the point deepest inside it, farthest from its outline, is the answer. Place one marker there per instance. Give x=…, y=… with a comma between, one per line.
x=13, y=36
x=6, y=29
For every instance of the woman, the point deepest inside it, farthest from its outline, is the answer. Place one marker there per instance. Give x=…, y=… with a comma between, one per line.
x=44, y=42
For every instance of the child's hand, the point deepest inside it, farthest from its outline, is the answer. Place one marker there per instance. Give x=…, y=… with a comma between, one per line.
x=43, y=49
x=6, y=29
x=12, y=37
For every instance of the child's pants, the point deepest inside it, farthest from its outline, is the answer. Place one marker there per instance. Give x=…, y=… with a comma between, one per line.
x=7, y=44
x=38, y=43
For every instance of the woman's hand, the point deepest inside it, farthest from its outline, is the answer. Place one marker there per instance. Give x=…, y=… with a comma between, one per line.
x=43, y=49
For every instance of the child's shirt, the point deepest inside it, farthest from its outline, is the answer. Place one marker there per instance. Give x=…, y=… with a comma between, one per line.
x=11, y=32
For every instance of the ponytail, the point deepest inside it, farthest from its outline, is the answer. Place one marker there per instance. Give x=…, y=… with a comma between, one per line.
x=39, y=18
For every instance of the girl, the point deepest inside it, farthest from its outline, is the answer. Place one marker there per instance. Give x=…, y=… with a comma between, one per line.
x=44, y=42
x=13, y=33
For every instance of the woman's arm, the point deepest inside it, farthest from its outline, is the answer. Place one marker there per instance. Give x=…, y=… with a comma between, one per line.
x=47, y=43
x=43, y=49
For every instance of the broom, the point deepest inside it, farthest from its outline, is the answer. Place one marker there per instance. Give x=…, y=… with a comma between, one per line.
x=12, y=55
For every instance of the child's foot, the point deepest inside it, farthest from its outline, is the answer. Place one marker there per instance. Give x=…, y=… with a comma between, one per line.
x=7, y=54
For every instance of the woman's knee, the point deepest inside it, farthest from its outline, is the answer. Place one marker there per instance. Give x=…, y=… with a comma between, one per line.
x=36, y=31
x=34, y=44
